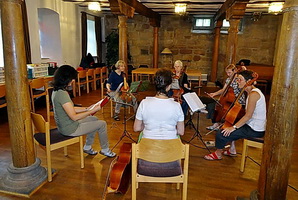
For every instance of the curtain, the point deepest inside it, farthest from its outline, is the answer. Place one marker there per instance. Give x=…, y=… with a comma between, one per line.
x=26, y=32
x=84, y=34
x=98, y=38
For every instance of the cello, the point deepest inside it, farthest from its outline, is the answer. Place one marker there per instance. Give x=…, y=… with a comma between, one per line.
x=125, y=95
x=226, y=99
x=235, y=109
x=119, y=173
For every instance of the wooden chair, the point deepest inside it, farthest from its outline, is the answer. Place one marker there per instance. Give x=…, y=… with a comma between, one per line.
x=82, y=80
x=97, y=77
x=160, y=151
x=51, y=139
x=249, y=142
x=2, y=96
x=104, y=75
x=39, y=87
x=144, y=75
x=90, y=78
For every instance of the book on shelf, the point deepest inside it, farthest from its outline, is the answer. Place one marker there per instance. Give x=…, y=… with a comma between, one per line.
x=194, y=102
x=102, y=102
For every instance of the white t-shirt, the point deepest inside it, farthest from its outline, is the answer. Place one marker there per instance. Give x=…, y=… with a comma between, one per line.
x=160, y=117
x=258, y=120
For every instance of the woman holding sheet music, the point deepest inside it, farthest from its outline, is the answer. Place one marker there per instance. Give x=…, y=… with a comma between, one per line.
x=115, y=79
x=76, y=121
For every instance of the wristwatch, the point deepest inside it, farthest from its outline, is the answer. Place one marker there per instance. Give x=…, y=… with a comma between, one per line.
x=235, y=127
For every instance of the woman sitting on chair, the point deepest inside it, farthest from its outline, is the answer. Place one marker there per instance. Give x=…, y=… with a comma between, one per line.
x=180, y=85
x=157, y=121
x=252, y=124
x=115, y=79
x=76, y=121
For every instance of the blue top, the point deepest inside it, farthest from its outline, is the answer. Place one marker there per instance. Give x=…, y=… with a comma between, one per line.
x=115, y=79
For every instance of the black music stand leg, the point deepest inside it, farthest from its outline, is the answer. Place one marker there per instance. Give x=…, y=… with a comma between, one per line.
x=125, y=132
x=196, y=134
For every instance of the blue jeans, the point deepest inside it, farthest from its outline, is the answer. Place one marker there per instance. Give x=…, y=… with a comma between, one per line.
x=243, y=132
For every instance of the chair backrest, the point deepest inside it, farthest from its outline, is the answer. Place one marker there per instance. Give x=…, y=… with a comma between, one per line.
x=90, y=72
x=160, y=151
x=104, y=73
x=39, y=123
x=2, y=91
x=82, y=74
x=2, y=95
x=37, y=83
x=97, y=72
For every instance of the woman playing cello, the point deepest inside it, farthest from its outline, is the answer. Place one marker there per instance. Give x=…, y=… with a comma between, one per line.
x=231, y=70
x=115, y=79
x=252, y=124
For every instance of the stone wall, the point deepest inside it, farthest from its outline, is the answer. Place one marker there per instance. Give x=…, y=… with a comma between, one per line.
x=256, y=42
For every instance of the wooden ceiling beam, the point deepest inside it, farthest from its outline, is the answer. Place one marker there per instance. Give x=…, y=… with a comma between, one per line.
x=119, y=7
x=221, y=13
x=154, y=17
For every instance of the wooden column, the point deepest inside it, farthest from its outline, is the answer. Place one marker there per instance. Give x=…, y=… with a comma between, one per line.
x=155, y=47
x=232, y=41
x=282, y=114
x=24, y=175
x=215, y=50
x=18, y=101
x=123, y=39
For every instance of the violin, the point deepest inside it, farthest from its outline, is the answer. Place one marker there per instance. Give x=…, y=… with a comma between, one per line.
x=120, y=172
x=235, y=109
x=125, y=95
x=177, y=93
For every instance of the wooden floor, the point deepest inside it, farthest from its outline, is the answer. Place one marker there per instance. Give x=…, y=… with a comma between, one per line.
x=208, y=180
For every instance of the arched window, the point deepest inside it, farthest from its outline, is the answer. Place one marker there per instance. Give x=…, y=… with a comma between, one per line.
x=49, y=35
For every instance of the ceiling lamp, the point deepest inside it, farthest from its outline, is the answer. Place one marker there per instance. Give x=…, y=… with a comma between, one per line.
x=180, y=8
x=94, y=6
x=275, y=7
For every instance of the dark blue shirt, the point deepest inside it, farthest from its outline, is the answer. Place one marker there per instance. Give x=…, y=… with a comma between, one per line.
x=115, y=79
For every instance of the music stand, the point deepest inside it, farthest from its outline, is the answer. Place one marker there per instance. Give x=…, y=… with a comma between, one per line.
x=125, y=133
x=196, y=106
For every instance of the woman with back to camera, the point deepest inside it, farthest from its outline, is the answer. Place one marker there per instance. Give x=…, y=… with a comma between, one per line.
x=76, y=121
x=161, y=118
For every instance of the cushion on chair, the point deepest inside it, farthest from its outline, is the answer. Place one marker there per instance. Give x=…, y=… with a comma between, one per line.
x=37, y=92
x=153, y=169
x=261, y=140
x=55, y=137
x=2, y=101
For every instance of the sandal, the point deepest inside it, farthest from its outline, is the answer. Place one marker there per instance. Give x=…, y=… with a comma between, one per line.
x=212, y=156
x=116, y=118
x=90, y=152
x=228, y=153
x=109, y=153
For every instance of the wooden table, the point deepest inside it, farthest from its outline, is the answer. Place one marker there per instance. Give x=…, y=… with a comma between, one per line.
x=152, y=71
x=146, y=71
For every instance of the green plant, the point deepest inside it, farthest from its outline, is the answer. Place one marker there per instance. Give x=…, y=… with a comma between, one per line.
x=112, y=55
x=112, y=48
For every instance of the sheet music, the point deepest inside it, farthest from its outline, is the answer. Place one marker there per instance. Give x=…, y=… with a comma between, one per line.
x=194, y=102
